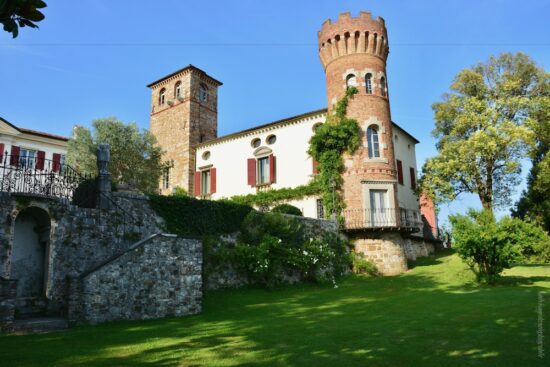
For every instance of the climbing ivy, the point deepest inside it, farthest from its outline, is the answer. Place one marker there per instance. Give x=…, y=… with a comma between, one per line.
x=337, y=136
x=271, y=197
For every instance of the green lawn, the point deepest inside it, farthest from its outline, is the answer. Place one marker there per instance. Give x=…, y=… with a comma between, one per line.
x=433, y=315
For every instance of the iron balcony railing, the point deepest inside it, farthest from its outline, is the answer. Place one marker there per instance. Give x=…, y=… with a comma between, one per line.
x=382, y=218
x=39, y=176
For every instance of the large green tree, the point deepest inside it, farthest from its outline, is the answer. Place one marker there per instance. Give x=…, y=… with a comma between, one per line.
x=484, y=127
x=535, y=201
x=20, y=13
x=135, y=156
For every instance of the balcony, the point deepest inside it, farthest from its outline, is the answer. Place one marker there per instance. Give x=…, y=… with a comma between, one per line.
x=384, y=218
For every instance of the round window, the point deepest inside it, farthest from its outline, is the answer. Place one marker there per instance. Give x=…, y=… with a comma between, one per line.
x=256, y=143
x=316, y=126
x=271, y=139
x=206, y=155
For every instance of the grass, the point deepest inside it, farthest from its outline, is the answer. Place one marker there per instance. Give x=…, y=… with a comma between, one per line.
x=434, y=315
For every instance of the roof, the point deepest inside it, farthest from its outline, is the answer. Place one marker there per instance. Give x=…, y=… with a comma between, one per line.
x=34, y=132
x=282, y=123
x=188, y=67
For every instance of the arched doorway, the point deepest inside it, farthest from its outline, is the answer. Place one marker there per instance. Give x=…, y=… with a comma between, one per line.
x=28, y=257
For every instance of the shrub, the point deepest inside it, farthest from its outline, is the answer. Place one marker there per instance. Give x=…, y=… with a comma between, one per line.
x=287, y=209
x=179, y=192
x=363, y=266
x=85, y=195
x=489, y=246
x=190, y=217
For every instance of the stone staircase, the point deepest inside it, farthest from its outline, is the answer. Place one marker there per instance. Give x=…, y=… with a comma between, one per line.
x=31, y=317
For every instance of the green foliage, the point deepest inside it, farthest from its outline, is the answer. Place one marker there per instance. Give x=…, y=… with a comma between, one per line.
x=20, y=13
x=271, y=197
x=190, y=217
x=362, y=265
x=484, y=128
x=135, y=156
x=287, y=209
x=488, y=246
x=85, y=195
x=271, y=246
x=179, y=192
x=331, y=140
x=21, y=202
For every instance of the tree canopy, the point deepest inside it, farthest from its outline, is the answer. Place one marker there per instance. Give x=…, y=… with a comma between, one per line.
x=135, y=156
x=484, y=126
x=20, y=13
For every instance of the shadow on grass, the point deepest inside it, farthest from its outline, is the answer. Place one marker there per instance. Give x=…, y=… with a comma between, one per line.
x=413, y=319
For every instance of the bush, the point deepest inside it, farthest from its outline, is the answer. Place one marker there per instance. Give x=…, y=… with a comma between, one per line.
x=190, y=217
x=363, y=266
x=272, y=246
x=179, y=192
x=85, y=195
x=489, y=247
x=287, y=209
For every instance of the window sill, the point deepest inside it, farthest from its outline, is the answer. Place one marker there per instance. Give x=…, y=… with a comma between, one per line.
x=375, y=160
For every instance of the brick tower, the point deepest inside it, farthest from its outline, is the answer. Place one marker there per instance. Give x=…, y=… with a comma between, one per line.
x=184, y=112
x=353, y=52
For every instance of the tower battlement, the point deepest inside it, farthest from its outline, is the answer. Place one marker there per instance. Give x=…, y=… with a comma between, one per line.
x=349, y=35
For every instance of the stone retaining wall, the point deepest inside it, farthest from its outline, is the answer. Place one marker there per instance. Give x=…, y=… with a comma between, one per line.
x=159, y=277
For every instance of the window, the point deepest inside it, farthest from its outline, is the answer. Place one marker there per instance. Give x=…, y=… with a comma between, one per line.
x=27, y=158
x=400, y=172
x=166, y=178
x=271, y=139
x=379, y=208
x=201, y=138
x=162, y=96
x=373, y=142
x=263, y=171
x=177, y=90
x=206, y=155
x=203, y=93
x=383, y=86
x=413, y=178
x=205, y=183
x=351, y=81
x=368, y=83
x=320, y=209
x=316, y=126
x=62, y=162
x=255, y=143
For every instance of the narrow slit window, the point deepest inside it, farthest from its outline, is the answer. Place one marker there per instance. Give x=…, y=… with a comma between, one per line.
x=373, y=142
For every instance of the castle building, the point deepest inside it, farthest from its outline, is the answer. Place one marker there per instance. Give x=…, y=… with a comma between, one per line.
x=382, y=216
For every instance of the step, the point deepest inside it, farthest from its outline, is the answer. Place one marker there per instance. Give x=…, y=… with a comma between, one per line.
x=30, y=307
x=39, y=325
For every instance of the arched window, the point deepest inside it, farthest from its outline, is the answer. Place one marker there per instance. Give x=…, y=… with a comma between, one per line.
x=351, y=81
x=162, y=96
x=203, y=93
x=383, y=86
x=177, y=90
x=368, y=83
x=373, y=142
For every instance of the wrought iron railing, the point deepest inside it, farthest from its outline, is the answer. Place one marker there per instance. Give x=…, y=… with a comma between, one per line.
x=38, y=176
x=382, y=218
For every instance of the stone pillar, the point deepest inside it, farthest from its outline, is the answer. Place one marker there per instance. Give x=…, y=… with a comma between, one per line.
x=8, y=292
x=104, y=177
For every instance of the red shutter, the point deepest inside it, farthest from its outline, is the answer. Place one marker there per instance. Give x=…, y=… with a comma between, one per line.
x=40, y=157
x=413, y=178
x=1, y=152
x=14, y=159
x=197, y=183
x=399, y=172
x=251, y=163
x=272, y=169
x=212, y=180
x=315, y=169
x=56, y=162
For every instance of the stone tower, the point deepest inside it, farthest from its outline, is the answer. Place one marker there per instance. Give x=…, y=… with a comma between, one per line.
x=353, y=52
x=184, y=112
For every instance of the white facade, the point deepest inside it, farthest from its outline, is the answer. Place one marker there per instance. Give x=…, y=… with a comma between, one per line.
x=31, y=141
x=229, y=158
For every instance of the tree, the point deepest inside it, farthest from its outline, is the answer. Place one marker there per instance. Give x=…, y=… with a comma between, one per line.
x=135, y=156
x=20, y=13
x=535, y=201
x=484, y=127
x=489, y=246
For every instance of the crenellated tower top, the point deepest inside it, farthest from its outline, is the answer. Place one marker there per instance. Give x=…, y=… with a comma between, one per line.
x=349, y=35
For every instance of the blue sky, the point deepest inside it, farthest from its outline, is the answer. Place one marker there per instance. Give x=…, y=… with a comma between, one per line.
x=93, y=58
